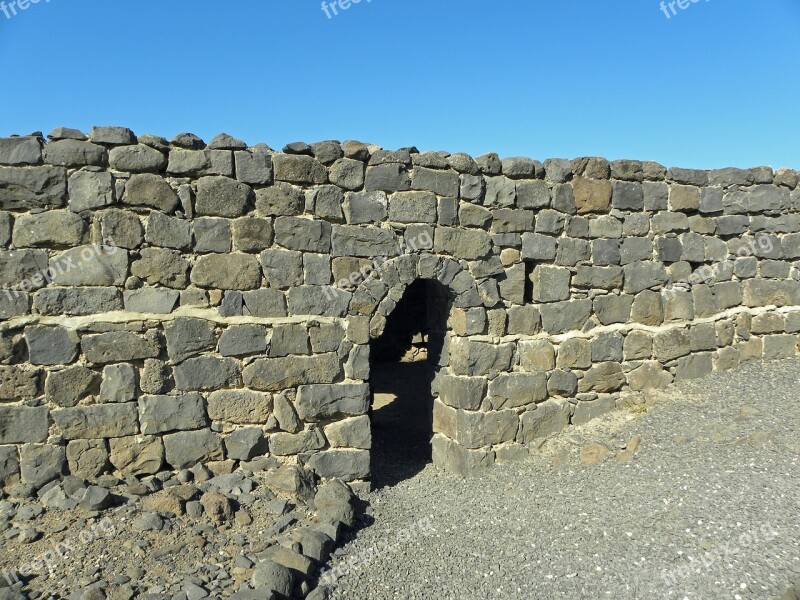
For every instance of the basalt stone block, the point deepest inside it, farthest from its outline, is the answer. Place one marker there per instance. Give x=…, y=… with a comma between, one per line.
x=265, y=303
x=463, y=244
x=390, y=177
x=77, y=301
x=606, y=252
x=90, y=265
x=347, y=465
x=119, y=346
x=22, y=269
x=347, y=173
x=246, y=444
x=87, y=458
x=500, y=191
x=765, y=292
x=571, y=251
x=602, y=378
x=560, y=317
x=97, y=421
x=298, y=168
x=536, y=355
x=780, y=346
x=13, y=304
x=319, y=402
x=9, y=466
x=240, y=340
x=507, y=220
x=275, y=374
x=119, y=384
x=112, y=135
x=290, y=444
x=477, y=430
x=524, y=320
x=365, y=207
x=137, y=159
x=472, y=215
x=317, y=300
x=51, y=345
x=668, y=222
x=354, y=432
x=281, y=199
x=574, y=353
x=608, y=278
x=550, y=284
x=459, y=460
x=648, y=308
x=151, y=191
x=289, y=338
x=678, y=305
x=37, y=187
x=227, y=272
x=642, y=275
x=547, y=418
x=473, y=187
x=756, y=199
x=69, y=386
x=150, y=300
x=536, y=246
x=440, y=182
x=121, y=228
x=23, y=150
x=212, y=235
x=74, y=153
x=668, y=345
x=297, y=233
x=591, y=195
x=462, y=392
x=22, y=424
x=363, y=241
x=41, y=463
x=513, y=390
x=252, y=234
x=168, y=232
x=185, y=449
x=468, y=357
x=184, y=162
x=254, y=168
x=694, y=366
x=684, y=198
x=187, y=337
x=207, y=373
x=711, y=200
x=222, y=197
x=162, y=267
x=240, y=407
x=161, y=414
x=89, y=190
x=532, y=194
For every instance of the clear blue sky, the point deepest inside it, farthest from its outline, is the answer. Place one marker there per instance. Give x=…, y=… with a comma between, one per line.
x=714, y=85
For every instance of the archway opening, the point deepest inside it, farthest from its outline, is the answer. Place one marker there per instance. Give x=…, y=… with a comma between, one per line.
x=404, y=360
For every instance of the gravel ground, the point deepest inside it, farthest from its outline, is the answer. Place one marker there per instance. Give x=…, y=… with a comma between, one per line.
x=709, y=507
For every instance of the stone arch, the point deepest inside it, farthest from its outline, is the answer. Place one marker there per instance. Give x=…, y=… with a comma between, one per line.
x=378, y=295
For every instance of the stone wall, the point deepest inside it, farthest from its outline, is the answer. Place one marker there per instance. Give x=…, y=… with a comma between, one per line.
x=169, y=303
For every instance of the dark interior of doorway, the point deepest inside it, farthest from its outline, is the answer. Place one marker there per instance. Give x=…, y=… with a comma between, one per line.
x=403, y=363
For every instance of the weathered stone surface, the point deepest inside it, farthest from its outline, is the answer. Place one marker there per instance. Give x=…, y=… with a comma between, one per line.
x=200, y=162
x=513, y=390
x=290, y=444
x=297, y=233
x=222, y=197
x=51, y=345
x=67, y=387
x=41, y=463
x=38, y=187
x=299, y=169
x=94, y=265
x=162, y=267
x=150, y=300
x=227, y=272
x=241, y=340
x=89, y=190
x=185, y=449
x=151, y=191
x=87, y=458
x=241, y=407
x=390, y=177
x=187, y=337
x=168, y=232
x=21, y=270
x=591, y=195
x=121, y=228
x=275, y=374
x=318, y=402
x=252, y=234
x=324, y=301
x=77, y=301
x=137, y=159
x=462, y=392
x=206, y=373
x=97, y=421
x=254, y=168
x=344, y=464
x=471, y=358
x=602, y=378
x=366, y=241
x=22, y=424
x=134, y=456
x=550, y=284
x=160, y=414
x=549, y=417
x=118, y=383
x=279, y=200
x=354, y=432
x=467, y=244
x=560, y=317
x=671, y=344
x=246, y=444
x=9, y=466
x=118, y=346
x=74, y=153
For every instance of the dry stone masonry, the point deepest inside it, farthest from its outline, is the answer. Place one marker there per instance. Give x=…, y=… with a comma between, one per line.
x=165, y=304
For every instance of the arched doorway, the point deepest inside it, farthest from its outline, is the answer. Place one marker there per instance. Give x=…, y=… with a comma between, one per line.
x=404, y=360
